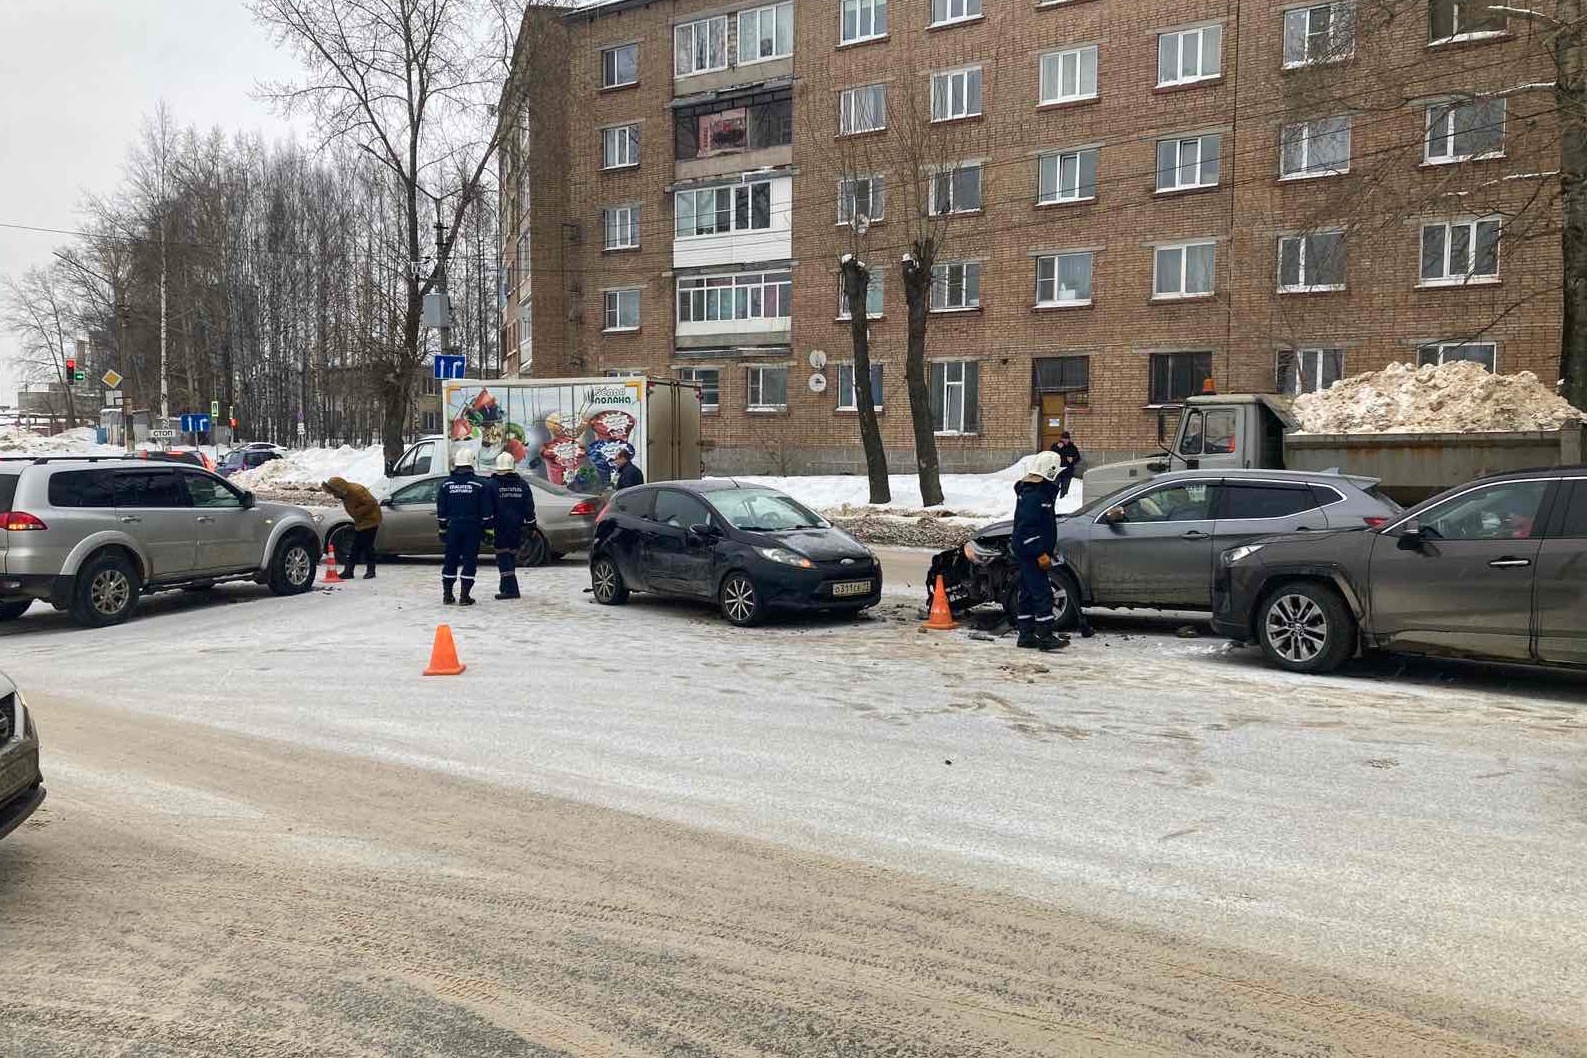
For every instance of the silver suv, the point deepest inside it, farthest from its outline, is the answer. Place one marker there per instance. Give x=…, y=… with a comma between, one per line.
x=91, y=534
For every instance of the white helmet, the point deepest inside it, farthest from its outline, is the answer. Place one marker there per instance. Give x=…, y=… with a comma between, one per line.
x=505, y=463
x=463, y=457
x=1046, y=465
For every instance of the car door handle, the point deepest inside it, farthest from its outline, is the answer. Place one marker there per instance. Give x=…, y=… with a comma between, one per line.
x=204, y=518
x=128, y=518
x=1195, y=534
x=1509, y=563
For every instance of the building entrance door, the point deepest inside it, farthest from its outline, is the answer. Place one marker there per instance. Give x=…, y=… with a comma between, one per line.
x=1052, y=420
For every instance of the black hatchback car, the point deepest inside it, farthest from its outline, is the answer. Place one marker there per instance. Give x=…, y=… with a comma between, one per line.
x=746, y=548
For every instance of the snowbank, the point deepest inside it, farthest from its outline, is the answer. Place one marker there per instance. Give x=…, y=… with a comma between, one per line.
x=78, y=442
x=310, y=466
x=981, y=497
x=1456, y=397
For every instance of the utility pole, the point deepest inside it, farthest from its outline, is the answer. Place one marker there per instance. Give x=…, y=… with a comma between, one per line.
x=445, y=328
x=165, y=391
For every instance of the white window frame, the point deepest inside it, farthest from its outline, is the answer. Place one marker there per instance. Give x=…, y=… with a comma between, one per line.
x=847, y=367
x=1054, y=69
x=1058, y=160
x=1441, y=349
x=850, y=110
x=781, y=16
x=946, y=177
x=612, y=309
x=1308, y=365
x=1473, y=229
x=1184, y=249
x=712, y=26
x=943, y=85
x=733, y=192
x=1444, y=114
x=692, y=374
x=734, y=297
x=1459, y=34
x=613, y=50
x=968, y=11
x=1180, y=37
x=1179, y=144
x=876, y=286
x=1053, y=282
x=942, y=279
x=1305, y=134
x=961, y=384
x=1297, y=26
x=1305, y=240
x=875, y=197
x=620, y=142
x=755, y=387
x=624, y=221
x=871, y=12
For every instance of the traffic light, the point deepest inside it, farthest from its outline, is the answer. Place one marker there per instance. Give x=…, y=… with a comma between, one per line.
x=72, y=374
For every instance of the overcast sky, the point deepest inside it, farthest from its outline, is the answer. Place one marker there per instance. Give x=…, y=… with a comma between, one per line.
x=76, y=81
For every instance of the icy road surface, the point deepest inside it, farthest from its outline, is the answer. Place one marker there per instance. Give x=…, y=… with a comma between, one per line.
x=1423, y=828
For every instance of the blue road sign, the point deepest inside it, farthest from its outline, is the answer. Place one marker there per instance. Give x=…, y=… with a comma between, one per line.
x=195, y=422
x=450, y=366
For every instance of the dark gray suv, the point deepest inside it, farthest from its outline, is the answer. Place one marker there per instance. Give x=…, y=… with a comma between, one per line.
x=21, y=783
x=1494, y=569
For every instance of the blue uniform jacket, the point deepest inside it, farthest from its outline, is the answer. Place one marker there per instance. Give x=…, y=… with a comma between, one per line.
x=515, y=502
x=1035, y=530
x=464, y=501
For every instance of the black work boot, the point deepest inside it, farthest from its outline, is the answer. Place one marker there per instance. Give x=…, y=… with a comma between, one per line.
x=1027, y=635
x=467, y=598
x=369, y=574
x=447, y=597
x=349, y=573
x=1047, y=639
x=509, y=588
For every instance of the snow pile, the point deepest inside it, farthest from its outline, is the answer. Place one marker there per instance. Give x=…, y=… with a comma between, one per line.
x=1456, y=397
x=310, y=466
x=79, y=442
x=979, y=497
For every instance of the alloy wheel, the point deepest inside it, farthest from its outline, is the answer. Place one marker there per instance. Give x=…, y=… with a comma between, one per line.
x=299, y=566
x=109, y=592
x=605, y=581
x=1296, y=627
x=738, y=599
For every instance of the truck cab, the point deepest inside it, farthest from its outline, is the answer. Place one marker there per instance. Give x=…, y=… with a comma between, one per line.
x=424, y=457
x=1240, y=431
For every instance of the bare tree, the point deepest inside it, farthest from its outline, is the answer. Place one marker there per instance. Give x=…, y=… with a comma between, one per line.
x=39, y=311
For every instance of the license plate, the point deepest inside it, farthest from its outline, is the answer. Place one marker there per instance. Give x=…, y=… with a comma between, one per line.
x=852, y=587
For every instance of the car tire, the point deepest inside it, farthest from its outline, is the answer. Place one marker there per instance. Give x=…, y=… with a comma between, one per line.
x=294, y=565
x=105, y=591
x=1304, y=626
x=606, y=582
x=1065, y=600
x=10, y=611
x=534, y=551
x=740, y=600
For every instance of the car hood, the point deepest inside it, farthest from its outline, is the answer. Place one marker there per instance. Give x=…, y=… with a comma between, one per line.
x=279, y=511
x=820, y=545
x=1005, y=529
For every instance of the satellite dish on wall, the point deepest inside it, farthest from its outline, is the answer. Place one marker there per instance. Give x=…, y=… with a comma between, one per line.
x=818, y=359
x=818, y=383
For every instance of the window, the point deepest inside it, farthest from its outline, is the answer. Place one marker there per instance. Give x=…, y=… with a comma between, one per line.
x=730, y=126
x=1484, y=353
x=765, y=33
x=77, y=488
x=1572, y=524
x=622, y=310
x=955, y=396
x=719, y=210
x=956, y=190
x=709, y=379
x=1063, y=279
x=1315, y=148
x=206, y=491
x=419, y=494
x=1460, y=19
x=873, y=298
x=862, y=197
x=1252, y=500
x=1184, y=271
x=943, y=11
x=1175, y=376
x=846, y=397
x=1189, y=55
x=620, y=147
x=1324, y=33
x=1460, y=252
x=768, y=388
x=679, y=509
x=750, y=296
x=1506, y=511
x=620, y=66
x=956, y=94
x=1308, y=370
x=862, y=109
x=1069, y=75
x=1209, y=433
x=1066, y=177
x=863, y=20
x=150, y=488
x=1185, y=502
x=1069, y=375
x=1188, y=162
x=1311, y=262
x=416, y=462
x=1466, y=129
x=622, y=228
x=956, y=285
x=699, y=47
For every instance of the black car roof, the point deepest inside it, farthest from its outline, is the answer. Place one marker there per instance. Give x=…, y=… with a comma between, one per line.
x=706, y=485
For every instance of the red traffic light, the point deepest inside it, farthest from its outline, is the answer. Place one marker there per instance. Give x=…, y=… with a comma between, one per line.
x=71, y=363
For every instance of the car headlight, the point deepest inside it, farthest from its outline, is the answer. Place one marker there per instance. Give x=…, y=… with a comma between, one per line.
x=785, y=557
x=1235, y=554
x=980, y=554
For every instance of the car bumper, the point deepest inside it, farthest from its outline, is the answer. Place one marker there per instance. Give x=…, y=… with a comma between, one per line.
x=565, y=539
x=791, y=588
x=14, y=813
x=1231, y=615
x=48, y=587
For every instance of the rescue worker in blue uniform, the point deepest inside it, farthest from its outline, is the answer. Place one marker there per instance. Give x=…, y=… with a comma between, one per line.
x=464, y=511
x=1034, y=541
x=515, y=517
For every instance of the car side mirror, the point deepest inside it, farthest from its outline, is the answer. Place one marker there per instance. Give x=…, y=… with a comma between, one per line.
x=702, y=531
x=1412, y=538
x=248, y=501
x=1114, y=516
x=385, y=501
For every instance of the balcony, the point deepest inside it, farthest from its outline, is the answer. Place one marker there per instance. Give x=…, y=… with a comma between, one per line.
x=726, y=133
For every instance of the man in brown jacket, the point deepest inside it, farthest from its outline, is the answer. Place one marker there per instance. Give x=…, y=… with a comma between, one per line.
x=365, y=512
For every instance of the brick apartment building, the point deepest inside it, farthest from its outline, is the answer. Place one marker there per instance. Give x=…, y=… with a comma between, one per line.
x=1135, y=199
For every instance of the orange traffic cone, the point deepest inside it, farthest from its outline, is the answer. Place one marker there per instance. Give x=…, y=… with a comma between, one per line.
x=941, y=617
x=443, y=656
x=331, y=574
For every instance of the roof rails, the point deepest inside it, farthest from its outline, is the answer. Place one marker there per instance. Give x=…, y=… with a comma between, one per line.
x=61, y=459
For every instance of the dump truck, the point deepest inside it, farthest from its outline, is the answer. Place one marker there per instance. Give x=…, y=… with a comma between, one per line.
x=1257, y=431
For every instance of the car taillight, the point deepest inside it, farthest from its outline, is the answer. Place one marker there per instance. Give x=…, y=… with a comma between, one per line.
x=583, y=509
x=1375, y=521
x=20, y=522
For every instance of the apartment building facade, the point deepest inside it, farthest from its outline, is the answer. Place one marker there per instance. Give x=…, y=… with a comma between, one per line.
x=1132, y=201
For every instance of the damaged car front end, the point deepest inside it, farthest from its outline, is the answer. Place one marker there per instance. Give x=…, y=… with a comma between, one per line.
x=984, y=572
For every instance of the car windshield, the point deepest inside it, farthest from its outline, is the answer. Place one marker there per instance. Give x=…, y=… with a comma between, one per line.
x=763, y=510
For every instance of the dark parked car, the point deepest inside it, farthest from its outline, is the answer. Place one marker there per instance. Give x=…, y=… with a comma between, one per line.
x=1494, y=569
x=747, y=548
x=1156, y=543
x=245, y=459
x=21, y=784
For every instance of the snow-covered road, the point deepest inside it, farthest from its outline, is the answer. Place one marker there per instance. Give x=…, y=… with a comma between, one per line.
x=1423, y=828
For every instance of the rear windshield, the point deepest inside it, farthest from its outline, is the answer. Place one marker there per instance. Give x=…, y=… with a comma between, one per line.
x=8, y=490
x=1383, y=498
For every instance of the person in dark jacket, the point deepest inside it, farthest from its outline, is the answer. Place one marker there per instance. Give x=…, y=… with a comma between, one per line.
x=1069, y=461
x=362, y=507
x=628, y=475
x=1034, y=541
x=464, y=512
x=515, y=516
